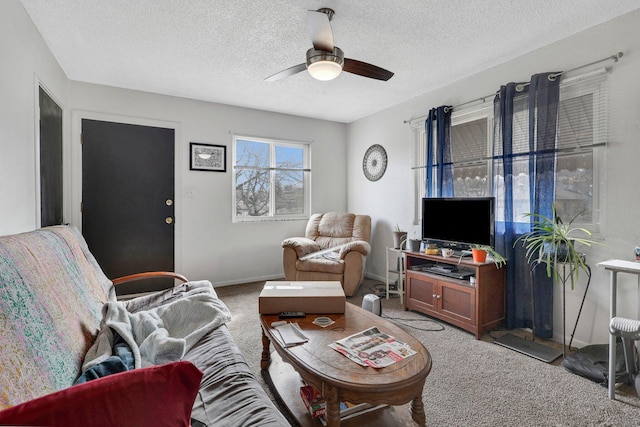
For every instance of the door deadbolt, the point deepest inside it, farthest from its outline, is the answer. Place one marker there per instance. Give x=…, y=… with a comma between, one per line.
x=169, y=202
x=168, y=220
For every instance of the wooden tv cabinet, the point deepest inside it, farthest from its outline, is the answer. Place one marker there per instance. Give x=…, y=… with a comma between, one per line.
x=474, y=308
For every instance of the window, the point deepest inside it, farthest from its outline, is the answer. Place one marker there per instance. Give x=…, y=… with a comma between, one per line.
x=470, y=145
x=581, y=137
x=271, y=179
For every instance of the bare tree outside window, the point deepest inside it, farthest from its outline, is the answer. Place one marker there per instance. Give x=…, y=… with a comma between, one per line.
x=252, y=178
x=289, y=180
x=270, y=179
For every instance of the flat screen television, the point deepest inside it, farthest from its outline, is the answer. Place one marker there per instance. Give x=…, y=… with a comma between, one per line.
x=458, y=222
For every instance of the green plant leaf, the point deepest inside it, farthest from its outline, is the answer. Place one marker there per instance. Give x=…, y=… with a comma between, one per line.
x=550, y=237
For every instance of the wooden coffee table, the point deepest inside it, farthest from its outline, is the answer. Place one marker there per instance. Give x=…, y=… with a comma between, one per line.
x=340, y=379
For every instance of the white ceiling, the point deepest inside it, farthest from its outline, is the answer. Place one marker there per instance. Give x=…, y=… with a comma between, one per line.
x=221, y=50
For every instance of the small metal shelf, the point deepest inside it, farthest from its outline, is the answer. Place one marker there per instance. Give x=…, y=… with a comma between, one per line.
x=395, y=266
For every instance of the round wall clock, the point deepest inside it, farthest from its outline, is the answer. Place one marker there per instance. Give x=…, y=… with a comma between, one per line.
x=374, y=163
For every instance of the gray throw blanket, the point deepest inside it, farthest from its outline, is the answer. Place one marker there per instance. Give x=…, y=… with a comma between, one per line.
x=159, y=335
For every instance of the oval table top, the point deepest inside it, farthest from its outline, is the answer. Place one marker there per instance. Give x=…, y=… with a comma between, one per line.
x=320, y=365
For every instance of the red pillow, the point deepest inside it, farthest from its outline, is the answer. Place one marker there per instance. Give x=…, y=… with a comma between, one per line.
x=155, y=396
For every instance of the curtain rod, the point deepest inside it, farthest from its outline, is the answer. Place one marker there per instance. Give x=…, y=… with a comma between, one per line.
x=566, y=150
x=520, y=87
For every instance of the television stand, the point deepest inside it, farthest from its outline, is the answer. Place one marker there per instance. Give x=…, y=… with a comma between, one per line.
x=455, y=300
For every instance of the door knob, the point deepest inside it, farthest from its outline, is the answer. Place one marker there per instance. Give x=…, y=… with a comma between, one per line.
x=168, y=220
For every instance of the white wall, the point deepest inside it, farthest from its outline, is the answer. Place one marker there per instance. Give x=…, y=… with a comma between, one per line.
x=25, y=61
x=209, y=245
x=389, y=200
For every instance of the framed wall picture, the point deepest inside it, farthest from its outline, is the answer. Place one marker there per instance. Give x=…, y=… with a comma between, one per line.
x=207, y=157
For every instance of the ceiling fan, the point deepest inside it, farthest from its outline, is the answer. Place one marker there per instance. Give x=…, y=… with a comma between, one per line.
x=325, y=61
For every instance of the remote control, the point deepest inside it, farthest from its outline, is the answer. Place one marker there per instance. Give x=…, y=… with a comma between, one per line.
x=292, y=314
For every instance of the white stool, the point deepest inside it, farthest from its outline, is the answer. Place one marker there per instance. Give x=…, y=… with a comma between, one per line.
x=629, y=331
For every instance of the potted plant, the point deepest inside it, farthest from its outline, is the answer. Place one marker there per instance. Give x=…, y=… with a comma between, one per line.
x=414, y=244
x=480, y=252
x=551, y=242
x=399, y=237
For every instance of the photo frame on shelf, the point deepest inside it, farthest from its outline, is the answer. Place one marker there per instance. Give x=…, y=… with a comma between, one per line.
x=207, y=157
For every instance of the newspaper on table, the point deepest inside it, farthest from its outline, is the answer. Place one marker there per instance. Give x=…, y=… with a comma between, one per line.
x=373, y=348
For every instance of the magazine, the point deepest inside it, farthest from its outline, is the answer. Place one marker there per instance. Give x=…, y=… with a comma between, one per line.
x=291, y=334
x=315, y=404
x=373, y=348
x=349, y=410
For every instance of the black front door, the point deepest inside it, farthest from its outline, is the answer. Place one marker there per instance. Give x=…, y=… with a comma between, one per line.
x=50, y=160
x=128, y=199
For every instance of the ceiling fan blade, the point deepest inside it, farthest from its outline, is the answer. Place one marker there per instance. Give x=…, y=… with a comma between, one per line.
x=320, y=30
x=286, y=73
x=367, y=70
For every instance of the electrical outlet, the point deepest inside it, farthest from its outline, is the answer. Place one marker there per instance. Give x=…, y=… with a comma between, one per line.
x=189, y=192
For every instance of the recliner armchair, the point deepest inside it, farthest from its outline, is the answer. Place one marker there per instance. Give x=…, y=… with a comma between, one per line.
x=334, y=248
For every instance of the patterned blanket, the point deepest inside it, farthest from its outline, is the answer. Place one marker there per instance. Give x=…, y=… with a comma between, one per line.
x=51, y=293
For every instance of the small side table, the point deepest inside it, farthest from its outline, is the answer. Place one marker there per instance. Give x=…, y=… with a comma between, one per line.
x=395, y=266
x=615, y=266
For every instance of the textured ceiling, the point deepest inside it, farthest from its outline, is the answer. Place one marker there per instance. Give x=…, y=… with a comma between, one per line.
x=221, y=50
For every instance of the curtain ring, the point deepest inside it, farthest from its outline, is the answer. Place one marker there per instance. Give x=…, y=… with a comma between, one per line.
x=552, y=77
x=519, y=88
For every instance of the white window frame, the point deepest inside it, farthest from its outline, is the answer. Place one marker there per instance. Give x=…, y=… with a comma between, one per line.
x=306, y=169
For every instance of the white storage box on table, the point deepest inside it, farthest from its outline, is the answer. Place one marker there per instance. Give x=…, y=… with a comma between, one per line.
x=308, y=297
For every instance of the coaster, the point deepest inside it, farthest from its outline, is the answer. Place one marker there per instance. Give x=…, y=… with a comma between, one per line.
x=323, y=321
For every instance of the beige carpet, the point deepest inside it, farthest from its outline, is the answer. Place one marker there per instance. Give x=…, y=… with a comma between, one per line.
x=473, y=382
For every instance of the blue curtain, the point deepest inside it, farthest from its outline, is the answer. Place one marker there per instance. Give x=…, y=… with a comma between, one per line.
x=538, y=102
x=439, y=164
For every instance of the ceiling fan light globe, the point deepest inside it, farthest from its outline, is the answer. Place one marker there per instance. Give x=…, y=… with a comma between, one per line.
x=324, y=70
x=323, y=65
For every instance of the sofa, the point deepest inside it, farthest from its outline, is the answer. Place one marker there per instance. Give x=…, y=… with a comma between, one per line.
x=71, y=354
x=334, y=248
